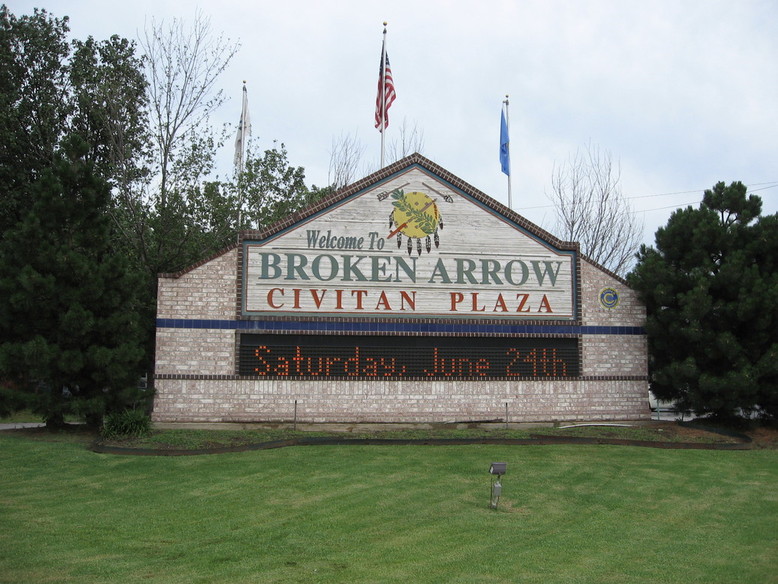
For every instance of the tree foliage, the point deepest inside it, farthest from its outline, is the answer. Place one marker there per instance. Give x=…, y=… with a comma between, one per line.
x=592, y=210
x=273, y=189
x=48, y=92
x=184, y=62
x=68, y=320
x=67, y=298
x=158, y=209
x=109, y=108
x=711, y=292
x=33, y=106
x=106, y=180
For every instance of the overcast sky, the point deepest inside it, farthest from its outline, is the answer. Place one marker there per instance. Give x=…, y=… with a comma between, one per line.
x=682, y=93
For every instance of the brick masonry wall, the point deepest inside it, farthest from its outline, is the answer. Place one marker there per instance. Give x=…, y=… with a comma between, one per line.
x=196, y=380
x=238, y=400
x=629, y=311
x=195, y=352
x=611, y=355
x=207, y=291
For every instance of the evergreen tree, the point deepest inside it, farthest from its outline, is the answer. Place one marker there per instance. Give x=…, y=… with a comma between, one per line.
x=149, y=142
x=711, y=293
x=60, y=276
x=68, y=319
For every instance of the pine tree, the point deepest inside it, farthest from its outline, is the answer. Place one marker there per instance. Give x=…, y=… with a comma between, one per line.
x=68, y=320
x=711, y=293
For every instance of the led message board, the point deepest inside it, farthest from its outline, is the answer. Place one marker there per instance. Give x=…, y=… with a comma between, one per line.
x=324, y=357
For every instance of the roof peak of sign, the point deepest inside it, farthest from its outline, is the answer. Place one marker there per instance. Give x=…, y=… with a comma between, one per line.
x=404, y=164
x=419, y=161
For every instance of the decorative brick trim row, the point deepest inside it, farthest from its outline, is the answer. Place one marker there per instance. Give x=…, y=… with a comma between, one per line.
x=420, y=327
x=195, y=377
x=578, y=279
x=613, y=378
x=200, y=377
x=580, y=350
x=413, y=334
x=239, y=278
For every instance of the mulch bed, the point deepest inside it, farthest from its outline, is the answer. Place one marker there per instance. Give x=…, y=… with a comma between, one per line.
x=674, y=436
x=670, y=435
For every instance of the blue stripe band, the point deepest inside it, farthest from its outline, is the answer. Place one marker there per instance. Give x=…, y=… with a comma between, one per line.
x=397, y=327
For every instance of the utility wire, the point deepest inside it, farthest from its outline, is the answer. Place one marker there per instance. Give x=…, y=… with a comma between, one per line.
x=762, y=187
x=771, y=184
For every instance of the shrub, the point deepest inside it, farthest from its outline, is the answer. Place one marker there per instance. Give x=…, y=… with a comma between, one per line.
x=126, y=424
x=11, y=400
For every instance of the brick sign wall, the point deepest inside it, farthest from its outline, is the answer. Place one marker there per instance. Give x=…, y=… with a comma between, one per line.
x=410, y=297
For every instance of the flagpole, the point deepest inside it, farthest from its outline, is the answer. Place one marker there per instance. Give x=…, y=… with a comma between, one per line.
x=383, y=94
x=508, y=126
x=244, y=127
x=386, y=95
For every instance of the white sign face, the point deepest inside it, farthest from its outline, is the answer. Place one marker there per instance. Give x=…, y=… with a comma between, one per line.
x=409, y=247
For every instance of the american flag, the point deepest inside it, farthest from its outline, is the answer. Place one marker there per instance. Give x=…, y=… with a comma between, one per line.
x=386, y=93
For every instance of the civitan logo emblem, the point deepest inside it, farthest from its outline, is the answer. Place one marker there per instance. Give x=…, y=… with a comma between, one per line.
x=417, y=217
x=609, y=298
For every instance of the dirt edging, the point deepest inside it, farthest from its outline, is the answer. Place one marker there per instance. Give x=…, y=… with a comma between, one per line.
x=533, y=440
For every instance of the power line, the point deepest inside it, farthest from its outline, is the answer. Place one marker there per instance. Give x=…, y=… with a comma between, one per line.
x=763, y=186
x=663, y=194
x=771, y=184
x=668, y=207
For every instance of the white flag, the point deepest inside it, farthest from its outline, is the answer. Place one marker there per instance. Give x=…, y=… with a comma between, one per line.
x=244, y=131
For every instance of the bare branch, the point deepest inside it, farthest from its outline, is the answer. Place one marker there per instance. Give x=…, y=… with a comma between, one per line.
x=183, y=63
x=345, y=157
x=592, y=210
x=410, y=141
x=347, y=153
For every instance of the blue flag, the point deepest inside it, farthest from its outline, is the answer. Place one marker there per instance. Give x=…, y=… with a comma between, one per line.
x=505, y=158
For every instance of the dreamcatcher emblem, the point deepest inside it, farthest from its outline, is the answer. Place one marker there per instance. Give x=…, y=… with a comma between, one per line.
x=417, y=217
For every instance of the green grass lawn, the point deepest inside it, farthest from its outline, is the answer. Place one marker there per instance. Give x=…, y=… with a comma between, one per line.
x=411, y=514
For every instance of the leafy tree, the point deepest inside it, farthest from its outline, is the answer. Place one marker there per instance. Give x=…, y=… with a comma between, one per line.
x=109, y=102
x=47, y=92
x=711, y=292
x=68, y=318
x=273, y=189
x=268, y=189
x=158, y=213
x=184, y=64
x=145, y=121
x=33, y=106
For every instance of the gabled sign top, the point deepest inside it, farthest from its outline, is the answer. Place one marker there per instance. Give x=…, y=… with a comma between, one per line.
x=410, y=241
